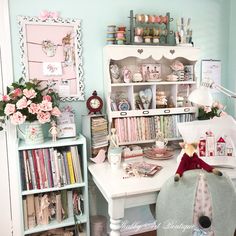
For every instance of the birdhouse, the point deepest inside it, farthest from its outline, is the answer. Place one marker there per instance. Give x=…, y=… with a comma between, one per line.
x=229, y=150
x=221, y=147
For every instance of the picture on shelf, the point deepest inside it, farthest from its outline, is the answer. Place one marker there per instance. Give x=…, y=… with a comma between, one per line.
x=151, y=72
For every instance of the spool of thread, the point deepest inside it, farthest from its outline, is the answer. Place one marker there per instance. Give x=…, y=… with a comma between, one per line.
x=111, y=28
x=98, y=225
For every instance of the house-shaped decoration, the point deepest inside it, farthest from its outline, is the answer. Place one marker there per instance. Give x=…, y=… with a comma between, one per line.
x=221, y=147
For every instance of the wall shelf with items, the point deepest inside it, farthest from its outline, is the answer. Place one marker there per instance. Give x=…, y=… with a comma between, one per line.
x=154, y=81
x=54, y=186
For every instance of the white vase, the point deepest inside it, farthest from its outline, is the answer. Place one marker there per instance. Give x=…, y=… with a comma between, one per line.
x=32, y=132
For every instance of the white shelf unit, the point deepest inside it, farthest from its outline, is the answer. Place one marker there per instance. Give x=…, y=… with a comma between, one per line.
x=83, y=219
x=133, y=57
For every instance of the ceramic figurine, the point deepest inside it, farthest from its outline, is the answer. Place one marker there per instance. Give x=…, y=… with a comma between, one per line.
x=53, y=131
x=115, y=73
x=113, y=138
x=221, y=147
x=127, y=75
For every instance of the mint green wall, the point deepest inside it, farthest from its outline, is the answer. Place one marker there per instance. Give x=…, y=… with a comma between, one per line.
x=210, y=23
x=232, y=56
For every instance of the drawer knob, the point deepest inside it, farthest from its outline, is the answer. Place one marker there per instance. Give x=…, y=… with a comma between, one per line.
x=186, y=109
x=145, y=112
x=123, y=113
x=167, y=111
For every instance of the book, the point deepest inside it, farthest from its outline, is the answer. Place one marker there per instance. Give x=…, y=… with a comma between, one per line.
x=58, y=207
x=76, y=164
x=31, y=166
x=70, y=165
x=22, y=168
x=54, y=178
x=36, y=171
x=30, y=211
x=146, y=169
x=25, y=213
x=64, y=203
x=37, y=209
x=57, y=171
x=66, y=167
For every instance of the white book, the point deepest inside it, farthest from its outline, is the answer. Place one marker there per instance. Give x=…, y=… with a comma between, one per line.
x=57, y=168
x=53, y=167
x=70, y=203
x=25, y=214
x=60, y=167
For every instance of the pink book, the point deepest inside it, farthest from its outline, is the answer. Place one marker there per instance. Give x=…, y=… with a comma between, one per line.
x=39, y=170
x=42, y=168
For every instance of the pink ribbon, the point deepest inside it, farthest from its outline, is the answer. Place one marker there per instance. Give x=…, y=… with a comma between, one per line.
x=44, y=15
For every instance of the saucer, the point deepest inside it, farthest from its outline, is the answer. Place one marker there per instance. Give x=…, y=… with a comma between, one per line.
x=150, y=154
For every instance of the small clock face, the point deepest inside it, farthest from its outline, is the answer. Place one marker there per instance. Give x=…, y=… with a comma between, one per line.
x=124, y=106
x=95, y=103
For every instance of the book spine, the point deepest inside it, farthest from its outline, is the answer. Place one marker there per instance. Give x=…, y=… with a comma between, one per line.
x=25, y=213
x=36, y=172
x=26, y=170
x=22, y=171
x=58, y=208
x=39, y=169
x=53, y=167
x=66, y=167
x=60, y=168
x=50, y=178
x=70, y=165
x=31, y=166
x=55, y=154
x=45, y=159
x=74, y=162
x=42, y=167
x=30, y=211
x=63, y=170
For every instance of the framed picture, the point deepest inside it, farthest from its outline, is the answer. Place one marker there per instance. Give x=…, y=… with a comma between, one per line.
x=151, y=72
x=51, y=52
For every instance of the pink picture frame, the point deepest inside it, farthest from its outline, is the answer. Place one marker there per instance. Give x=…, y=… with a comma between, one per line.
x=51, y=51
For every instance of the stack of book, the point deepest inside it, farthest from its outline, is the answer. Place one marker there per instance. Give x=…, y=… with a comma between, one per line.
x=42, y=209
x=145, y=128
x=99, y=133
x=50, y=167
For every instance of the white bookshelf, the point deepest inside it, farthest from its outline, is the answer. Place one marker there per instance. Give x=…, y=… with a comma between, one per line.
x=133, y=57
x=83, y=219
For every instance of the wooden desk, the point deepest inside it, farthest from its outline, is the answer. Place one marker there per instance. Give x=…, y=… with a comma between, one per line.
x=135, y=191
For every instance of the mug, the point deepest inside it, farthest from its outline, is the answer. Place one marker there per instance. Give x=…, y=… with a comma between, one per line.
x=114, y=157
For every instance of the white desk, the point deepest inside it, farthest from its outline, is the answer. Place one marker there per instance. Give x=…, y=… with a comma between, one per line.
x=135, y=191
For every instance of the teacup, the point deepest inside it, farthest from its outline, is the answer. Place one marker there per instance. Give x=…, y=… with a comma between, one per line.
x=158, y=150
x=161, y=144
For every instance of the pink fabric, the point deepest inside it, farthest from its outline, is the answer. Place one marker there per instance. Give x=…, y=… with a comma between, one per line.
x=202, y=205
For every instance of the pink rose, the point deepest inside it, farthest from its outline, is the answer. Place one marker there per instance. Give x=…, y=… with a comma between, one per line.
x=45, y=105
x=43, y=117
x=23, y=103
x=17, y=92
x=47, y=98
x=207, y=109
x=215, y=104
x=29, y=93
x=17, y=118
x=33, y=108
x=55, y=111
x=9, y=109
x=5, y=98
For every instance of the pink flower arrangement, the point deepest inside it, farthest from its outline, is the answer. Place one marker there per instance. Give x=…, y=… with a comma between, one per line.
x=216, y=110
x=27, y=101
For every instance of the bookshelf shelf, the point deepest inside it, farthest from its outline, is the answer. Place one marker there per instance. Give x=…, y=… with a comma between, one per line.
x=43, y=168
x=54, y=225
x=132, y=73
x=37, y=191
